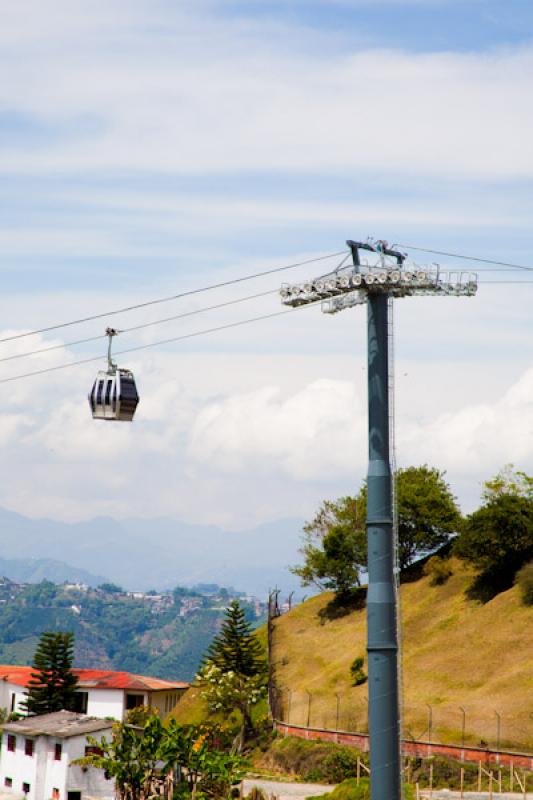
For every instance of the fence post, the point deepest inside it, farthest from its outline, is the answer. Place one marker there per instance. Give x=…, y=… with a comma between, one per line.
x=463, y=730
x=431, y=780
x=338, y=712
x=358, y=769
x=430, y=728
x=498, y=731
x=462, y=779
x=479, y=776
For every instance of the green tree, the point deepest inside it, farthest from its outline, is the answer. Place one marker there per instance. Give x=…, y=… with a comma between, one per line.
x=236, y=648
x=508, y=481
x=498, y=538
x=427, y=512
x=335, y=542
x=52, y=686
x=111, y=588
x=233, y=669
x=227, y=691
x=335, y=546
x=140, y=758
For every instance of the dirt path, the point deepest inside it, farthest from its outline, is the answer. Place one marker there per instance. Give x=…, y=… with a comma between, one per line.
x=286, y=791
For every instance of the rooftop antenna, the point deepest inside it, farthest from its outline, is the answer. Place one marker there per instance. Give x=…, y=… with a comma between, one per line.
x=376, y=284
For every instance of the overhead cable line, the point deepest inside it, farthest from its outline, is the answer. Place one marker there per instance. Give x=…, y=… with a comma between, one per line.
x=168, y=299
x=216, y=329
x=465, y=257
x=64, y=345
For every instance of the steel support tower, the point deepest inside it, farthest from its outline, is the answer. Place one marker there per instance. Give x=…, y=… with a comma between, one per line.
x=346, y=287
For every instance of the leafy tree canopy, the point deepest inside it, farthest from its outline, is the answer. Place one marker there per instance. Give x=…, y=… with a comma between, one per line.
x=52, y=686
x=427, y=512
x=498, y=537
x=335, y=543
x=335, y=546
x=508, y=481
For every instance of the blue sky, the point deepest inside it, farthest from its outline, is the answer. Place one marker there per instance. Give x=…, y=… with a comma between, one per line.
x=148, y=147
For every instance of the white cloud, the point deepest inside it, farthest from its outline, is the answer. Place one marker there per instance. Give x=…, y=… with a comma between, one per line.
x=315, y=433
x=214, y=96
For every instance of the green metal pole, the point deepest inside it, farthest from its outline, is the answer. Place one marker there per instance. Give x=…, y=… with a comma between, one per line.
x=382, y=638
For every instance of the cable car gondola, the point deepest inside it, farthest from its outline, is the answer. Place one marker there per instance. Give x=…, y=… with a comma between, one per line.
x=114, y=394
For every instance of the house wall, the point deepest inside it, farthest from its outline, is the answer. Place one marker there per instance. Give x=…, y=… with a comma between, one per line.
x=44, y=773
x=165, y=700
x=6, y=691
x=89, y=781
x=105, y=703
x=19, y=767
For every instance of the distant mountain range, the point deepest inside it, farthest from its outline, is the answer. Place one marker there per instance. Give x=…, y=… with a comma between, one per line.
x=34, y=570
x=149, y=554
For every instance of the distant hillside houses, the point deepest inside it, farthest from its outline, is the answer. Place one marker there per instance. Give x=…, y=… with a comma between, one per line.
x=101, y=693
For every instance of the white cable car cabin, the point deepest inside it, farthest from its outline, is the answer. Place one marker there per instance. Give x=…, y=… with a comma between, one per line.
x=114, y=394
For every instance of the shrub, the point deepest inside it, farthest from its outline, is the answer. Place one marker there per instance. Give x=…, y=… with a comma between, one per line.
x=349, y=790
x=312, y=761
x=524, y=580
x=438, y=570
x=359, y=676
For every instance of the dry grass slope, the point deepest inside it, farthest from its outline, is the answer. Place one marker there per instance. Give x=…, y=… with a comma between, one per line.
x=456, y=652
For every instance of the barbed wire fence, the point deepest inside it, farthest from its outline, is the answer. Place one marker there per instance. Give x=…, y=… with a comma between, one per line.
x=457, y=725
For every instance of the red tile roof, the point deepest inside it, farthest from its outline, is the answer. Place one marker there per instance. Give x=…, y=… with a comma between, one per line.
x=96, y=679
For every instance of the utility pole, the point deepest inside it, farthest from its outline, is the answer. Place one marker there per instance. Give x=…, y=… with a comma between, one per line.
x=346, y=287
x=382, y=627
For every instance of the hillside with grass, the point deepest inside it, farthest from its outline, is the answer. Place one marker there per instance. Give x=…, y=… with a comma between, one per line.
x=457, y=653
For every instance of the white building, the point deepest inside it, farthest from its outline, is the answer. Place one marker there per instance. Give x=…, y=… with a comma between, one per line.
x=100, y=693
x=37, y=756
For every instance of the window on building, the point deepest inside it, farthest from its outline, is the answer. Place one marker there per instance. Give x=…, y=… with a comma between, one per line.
x=11, y=742
x=26, y=788
x=91, y=750
x=80, y=702
x=13, y=700
x=28, y=747
x=8, y=782
x=55, y=794
x=58, y=750
x=133, y=701
x=73, y=795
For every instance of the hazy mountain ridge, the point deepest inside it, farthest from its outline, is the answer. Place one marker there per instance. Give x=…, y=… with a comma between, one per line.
x=34, y=570
x=158, y=553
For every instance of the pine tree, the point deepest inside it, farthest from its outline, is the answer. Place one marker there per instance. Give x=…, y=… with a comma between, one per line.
x=52, y=686
x=236, y=649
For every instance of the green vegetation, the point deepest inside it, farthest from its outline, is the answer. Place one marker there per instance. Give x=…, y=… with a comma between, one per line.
x=524, y=580
x=438, y=569
x=311, y=761
x=335, y=550
x=334, y=547
x=112, y=630
x=140, y=757
x=498, y=538
x=357, y=672
x=234, y=672
x=52, y=686
x=351, y=789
